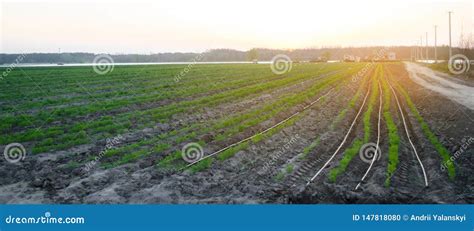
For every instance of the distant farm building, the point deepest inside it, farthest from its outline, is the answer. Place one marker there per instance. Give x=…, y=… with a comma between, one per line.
x=351, y=58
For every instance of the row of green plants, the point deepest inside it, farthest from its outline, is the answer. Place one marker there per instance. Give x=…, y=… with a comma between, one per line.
x=122, y=122
x=393, y=136
x=353, y=150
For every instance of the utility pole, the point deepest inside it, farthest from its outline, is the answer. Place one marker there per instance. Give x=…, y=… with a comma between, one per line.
x=450, y=52
x=421, y=47
x=426, y=41
x=417, y=52
x=435, y=53
x=414, y=50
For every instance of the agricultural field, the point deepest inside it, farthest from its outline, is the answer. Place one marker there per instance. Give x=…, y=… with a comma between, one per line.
x=233, y=133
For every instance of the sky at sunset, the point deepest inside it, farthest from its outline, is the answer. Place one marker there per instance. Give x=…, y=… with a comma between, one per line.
x=180, y=25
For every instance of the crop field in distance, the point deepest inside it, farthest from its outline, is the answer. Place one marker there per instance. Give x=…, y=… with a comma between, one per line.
x=344, y=132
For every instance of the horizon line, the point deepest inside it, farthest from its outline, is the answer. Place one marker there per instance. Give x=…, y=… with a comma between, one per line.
x=213, y=49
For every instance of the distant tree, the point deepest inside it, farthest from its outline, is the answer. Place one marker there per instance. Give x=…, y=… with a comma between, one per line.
x=252, y=54
x=326, y=55
x=466, y=43
x=466, y=46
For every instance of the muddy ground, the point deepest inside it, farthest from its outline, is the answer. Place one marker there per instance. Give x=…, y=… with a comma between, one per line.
x=252, y=175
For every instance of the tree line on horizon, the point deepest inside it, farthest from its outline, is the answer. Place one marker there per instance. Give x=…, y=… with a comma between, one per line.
x=228, y=55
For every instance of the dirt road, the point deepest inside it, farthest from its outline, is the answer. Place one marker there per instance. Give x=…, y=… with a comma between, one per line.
x=453, y=89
